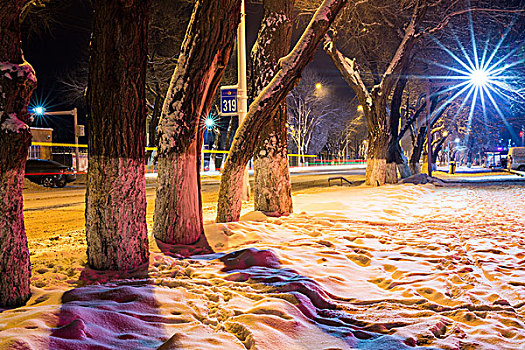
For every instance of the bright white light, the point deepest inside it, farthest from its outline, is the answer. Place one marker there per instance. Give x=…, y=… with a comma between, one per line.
x=457, y=140
x=479, y=77
x=39, y=110
x=209, y=122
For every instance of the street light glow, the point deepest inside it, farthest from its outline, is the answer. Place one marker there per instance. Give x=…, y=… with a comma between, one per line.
x=479, y=78
x=210, y=122
x=318, y=86
x=483, y=78
x=39, y=110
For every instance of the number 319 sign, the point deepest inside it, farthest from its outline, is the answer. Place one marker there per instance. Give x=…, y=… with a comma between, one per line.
x=229, y=100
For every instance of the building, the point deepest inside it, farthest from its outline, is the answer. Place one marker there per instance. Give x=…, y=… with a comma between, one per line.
x=40, y=151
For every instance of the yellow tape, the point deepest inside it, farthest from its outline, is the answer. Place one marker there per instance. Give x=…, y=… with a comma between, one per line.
x=52, y=144
x=304, y=155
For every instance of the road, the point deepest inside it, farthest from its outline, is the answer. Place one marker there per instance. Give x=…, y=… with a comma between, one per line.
x=54, y=211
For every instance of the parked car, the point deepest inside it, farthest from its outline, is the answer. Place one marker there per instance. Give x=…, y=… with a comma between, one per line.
x=49, y=173
x=495, y=160
x=516, y=158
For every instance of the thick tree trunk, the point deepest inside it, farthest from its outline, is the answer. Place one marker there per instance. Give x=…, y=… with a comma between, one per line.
x=290, y=68
x=116, y=229
x=395, y=159
x=204, y=55
x=17, y=82
x=273, y=189
x=376, y=165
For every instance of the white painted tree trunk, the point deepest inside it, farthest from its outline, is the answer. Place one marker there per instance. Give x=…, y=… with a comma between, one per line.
x=204, y=55
x=290, y=67
x=17, y=82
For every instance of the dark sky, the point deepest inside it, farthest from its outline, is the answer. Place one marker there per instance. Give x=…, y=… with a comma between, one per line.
x=64, y=49
x=55, y=53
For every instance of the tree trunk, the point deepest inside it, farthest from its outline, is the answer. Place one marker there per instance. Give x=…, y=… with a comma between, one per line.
x=204, y=55
x=395, y=159
x=290, y=68
x=17, y=82
x=273, y=189
x=116, y=231
x=417, y=151
x=378, y=137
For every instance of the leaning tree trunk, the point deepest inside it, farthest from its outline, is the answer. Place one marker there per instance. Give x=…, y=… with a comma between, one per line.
x=273, y=189
x=17, y=82
x=204, y=55
x=290, y=68
x=116, y=231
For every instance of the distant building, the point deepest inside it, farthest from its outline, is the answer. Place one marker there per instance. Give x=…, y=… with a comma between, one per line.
x=41, y=135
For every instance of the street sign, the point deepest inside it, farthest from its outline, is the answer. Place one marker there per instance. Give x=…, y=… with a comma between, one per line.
x=229, y=100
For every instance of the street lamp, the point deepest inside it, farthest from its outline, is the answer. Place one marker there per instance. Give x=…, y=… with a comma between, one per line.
x=209, y=123
x=41, y=111
x=318, y=86
x=479, y=78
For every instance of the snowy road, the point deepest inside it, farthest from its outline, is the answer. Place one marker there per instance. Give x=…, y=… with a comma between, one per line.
x=50, y=212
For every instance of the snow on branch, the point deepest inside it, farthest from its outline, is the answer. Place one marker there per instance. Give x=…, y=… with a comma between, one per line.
x=290, y=68
x=401, y=56
x=350, y=71
x=13, y=71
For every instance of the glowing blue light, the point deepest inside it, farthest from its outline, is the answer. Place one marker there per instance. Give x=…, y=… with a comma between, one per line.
x=39, y=110
x=210, y=122
x=479, y=77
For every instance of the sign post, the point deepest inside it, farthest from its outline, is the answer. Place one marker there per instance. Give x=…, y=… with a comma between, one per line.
x=229, y=100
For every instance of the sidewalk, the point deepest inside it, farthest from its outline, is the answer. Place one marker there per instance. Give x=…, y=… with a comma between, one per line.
x=479, y=175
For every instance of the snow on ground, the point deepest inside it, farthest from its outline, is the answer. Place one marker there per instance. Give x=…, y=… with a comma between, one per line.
x=370, y=268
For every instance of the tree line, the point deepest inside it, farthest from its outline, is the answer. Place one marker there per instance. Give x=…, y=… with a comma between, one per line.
x=381, y=36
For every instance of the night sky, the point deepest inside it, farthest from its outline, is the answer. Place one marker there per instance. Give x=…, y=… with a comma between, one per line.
x=64, y=49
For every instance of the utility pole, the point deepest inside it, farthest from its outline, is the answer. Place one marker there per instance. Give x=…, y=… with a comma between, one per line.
x=74, y=113
x=242, y=91
x=429, y=132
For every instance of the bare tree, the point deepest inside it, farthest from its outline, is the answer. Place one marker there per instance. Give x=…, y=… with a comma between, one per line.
x=17, y=82
x=309, y=104
x=375, y=21
x=116, y=230
x=204, y=55
x=290, y=68
x=344, y=139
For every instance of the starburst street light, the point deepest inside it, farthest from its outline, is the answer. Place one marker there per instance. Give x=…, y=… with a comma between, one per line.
x=481, y=77
x=39, y=110
x=210, y=123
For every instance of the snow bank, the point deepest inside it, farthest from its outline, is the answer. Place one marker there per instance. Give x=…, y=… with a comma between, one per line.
x=396, y=267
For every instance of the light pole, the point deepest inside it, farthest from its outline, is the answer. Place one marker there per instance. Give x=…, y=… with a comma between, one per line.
x=242, y=91
x=41, y=111
x=429, y=132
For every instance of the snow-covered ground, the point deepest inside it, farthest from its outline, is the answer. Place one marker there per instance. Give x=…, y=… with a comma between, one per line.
x=370, y=268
